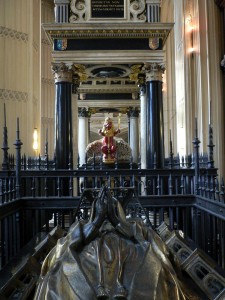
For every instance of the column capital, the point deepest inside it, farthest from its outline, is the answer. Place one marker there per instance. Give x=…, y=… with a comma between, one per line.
x=154, y=71
x=133, y=112
x=83, y=112
x=62, y=72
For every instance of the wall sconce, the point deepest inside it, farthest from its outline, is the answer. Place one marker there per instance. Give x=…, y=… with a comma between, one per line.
x=190, y=29
x=35, y=139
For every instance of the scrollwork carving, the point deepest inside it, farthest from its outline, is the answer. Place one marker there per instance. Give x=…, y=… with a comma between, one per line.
x=79, y=8
x=81, y=11
x=137, y=10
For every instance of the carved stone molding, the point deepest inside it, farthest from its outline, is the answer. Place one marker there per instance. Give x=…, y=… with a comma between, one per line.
x=45, y=42
x=14, y=34
x=103, y=30
x=154, y=71
x=62, y=72
x=7, y=95
x=122, y=106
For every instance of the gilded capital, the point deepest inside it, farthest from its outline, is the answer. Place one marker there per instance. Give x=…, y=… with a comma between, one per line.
x=62, y=72
x=154, y=71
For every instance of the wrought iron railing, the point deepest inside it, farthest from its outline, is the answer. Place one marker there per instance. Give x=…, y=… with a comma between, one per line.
x=34, y=197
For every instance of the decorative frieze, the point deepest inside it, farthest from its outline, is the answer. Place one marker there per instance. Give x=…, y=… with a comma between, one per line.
x=117, y=104
x=14, y=34
x=107, y=85
x=9, y=95
x=125, y=30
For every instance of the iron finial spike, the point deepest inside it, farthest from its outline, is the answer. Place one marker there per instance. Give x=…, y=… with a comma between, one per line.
x=4, y=116
x=196, y=127
x=18, y=128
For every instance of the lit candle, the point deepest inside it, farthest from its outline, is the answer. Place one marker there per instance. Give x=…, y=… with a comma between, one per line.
x=119, y=120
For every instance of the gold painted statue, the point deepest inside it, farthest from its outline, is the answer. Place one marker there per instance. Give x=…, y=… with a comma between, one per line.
x=108, y=144
x=108, y=257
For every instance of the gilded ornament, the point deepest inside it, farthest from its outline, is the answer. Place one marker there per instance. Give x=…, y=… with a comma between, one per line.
x=81, y=71
x=135, y=70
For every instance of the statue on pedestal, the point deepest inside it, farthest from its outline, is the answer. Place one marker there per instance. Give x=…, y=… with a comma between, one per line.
x=108, y=257
x=108, y=143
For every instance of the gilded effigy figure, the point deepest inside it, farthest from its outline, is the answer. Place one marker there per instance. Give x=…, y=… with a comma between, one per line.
x=108, y=144
x=108, y=257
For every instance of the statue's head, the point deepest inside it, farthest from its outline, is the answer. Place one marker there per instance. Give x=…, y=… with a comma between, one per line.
x=108, y=123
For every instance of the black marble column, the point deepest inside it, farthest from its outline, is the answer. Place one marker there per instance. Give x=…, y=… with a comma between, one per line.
x=63, y=116
x=154, y=120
